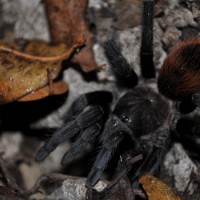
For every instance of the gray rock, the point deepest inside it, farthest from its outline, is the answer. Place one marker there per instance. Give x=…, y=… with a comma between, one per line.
x=180, y=167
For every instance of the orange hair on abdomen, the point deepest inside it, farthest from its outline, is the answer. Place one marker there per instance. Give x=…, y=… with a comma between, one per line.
x=179, y=75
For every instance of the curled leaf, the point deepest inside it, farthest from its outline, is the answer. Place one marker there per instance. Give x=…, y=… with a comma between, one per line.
x=156, y=189
x=24, y=70
x=59, y=87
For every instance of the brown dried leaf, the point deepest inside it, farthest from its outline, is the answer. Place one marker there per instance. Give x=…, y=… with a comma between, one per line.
x=59, y=87
x=156, y=189
x=67, y=22
x=27, y=71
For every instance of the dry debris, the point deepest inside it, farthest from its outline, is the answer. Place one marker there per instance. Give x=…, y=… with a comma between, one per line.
x=67, y=22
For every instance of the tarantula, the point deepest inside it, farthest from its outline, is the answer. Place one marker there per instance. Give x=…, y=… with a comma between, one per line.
x=142, y=113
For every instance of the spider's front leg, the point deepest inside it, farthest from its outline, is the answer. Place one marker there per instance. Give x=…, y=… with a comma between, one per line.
x=119, y=65
x=89, y=111
x=111, y=137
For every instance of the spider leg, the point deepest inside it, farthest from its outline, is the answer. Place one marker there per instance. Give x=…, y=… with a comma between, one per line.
x=153, y=148
x=119, y=65
x=97, y=97
x=88, y=117
x=146, y=51
x=111, y=137
x=86, y=137
x=154, y=152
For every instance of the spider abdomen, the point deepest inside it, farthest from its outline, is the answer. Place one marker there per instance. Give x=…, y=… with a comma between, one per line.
x=179, y=76
x=142, y=110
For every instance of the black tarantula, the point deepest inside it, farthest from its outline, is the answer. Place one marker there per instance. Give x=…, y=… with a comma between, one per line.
x=146, y=116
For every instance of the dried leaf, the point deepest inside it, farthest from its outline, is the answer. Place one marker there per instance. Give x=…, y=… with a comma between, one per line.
x=67, y=22
x=156, y=189
x=27, y=71
x=59, y=87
